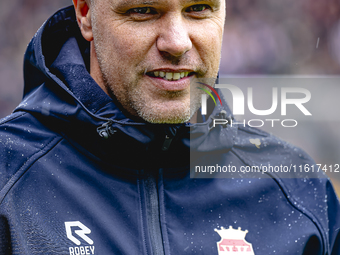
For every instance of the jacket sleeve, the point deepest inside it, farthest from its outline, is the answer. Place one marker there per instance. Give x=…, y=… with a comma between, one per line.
x=334, y=220
x=5, y=238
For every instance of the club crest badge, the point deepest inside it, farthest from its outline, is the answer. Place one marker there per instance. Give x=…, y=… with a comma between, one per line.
x=233, y=242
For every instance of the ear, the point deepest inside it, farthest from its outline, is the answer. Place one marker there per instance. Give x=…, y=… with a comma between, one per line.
x=83, y=15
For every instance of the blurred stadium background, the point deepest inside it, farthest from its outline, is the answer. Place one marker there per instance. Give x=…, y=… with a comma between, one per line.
x=262, y=37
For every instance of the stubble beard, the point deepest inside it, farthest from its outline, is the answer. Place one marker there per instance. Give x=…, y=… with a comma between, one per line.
x=154, y=113
x=135, y=100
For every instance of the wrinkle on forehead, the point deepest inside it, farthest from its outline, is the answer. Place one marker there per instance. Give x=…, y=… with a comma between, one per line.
x=123, y=3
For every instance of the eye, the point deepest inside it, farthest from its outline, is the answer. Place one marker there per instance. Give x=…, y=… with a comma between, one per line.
x=142, y=13
x=198, y=8
x=141, y=10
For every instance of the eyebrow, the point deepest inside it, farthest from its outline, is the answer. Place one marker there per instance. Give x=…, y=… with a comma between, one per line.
x=195, y=1
x=127, y=3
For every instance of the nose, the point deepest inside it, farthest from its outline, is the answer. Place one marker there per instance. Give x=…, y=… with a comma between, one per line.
x=174, y=36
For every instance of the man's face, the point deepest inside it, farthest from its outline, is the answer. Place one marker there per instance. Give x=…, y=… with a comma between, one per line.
x=149, y=52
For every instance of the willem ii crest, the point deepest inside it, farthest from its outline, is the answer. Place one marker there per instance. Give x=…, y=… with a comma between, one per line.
x=233, y=242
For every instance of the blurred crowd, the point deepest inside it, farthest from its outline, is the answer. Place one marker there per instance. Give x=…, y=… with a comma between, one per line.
x=282, y=37
x=262, y=37
x=19, y=20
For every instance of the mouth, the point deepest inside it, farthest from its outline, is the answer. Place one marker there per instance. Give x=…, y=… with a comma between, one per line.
x=170, y=76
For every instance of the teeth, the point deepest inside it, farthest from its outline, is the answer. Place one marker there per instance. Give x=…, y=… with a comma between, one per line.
x=177, y=76
x=171, y=76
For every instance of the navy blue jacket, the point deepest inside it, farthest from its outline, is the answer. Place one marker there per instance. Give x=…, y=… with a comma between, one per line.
x=78, y=176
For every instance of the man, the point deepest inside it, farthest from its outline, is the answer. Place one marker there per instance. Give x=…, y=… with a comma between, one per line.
x=96, y=159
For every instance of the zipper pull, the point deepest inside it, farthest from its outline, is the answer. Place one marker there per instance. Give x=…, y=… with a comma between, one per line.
x=221, y=117
x=106, y=130
x=167, y=143
x=170, y=133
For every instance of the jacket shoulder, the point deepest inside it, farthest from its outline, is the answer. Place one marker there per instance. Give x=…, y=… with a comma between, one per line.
x=305, y=185
x=23, y=139
x=259, y=148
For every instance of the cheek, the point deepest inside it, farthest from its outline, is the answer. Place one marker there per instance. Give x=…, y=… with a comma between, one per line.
x=131, y=43
x=209, y=45
x=213, y=39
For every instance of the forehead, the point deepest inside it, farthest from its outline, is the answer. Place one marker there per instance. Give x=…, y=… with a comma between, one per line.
x=164, y=2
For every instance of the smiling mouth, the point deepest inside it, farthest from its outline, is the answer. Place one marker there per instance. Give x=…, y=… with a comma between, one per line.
x=170, y=76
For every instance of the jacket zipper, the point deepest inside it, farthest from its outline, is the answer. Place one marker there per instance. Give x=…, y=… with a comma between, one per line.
x=153, y=215
x=152, y=201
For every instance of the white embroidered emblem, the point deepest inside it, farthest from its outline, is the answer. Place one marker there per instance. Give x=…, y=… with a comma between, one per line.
x=256, y=142
x=233, y=242
x=81, y=231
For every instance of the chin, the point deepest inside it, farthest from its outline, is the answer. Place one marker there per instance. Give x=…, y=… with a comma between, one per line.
x=164, y=111
x=168, y=116
x=165, y=119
